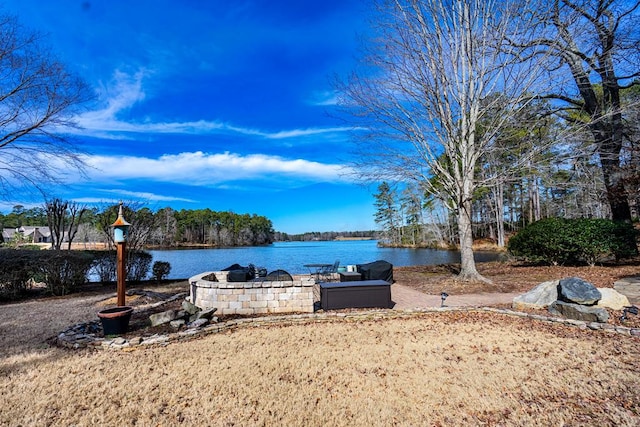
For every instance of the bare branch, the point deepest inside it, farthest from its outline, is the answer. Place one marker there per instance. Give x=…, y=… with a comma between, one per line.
x=38, y=98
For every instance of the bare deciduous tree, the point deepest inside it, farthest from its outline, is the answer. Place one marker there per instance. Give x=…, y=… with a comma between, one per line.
x=597, y=42
x=56, y=213
x=141, y=220
x=74, y=218
x=64, y=218
x=434, y=70
x=38, y=98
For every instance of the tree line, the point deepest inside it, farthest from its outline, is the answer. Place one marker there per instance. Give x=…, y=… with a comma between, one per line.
x=324, y=235
x=166, y=227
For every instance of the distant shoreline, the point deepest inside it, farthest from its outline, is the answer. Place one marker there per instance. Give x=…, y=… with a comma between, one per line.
x=341, y=238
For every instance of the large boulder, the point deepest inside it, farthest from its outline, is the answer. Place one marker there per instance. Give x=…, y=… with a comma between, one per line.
x=612, y=299
x=164, y=317
x=579, y=312
x=541, y=296
x=578, y=291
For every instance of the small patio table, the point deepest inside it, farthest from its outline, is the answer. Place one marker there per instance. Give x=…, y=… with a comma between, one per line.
x=316, y=269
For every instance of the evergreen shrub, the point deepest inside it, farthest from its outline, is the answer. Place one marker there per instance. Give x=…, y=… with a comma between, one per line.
x=561, y=241
x=104, y=266
x=62, y=271
x=15, y=272
x=138, y=265
x=160, y=270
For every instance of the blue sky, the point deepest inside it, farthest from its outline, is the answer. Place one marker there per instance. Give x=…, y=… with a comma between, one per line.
x=212, y=104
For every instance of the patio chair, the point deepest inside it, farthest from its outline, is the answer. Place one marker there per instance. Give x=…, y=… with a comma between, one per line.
x=328, y=274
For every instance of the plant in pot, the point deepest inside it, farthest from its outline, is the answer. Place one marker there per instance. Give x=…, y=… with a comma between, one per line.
x=115, y=320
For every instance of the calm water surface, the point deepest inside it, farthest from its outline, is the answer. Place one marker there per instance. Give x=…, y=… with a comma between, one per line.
x=291, y=256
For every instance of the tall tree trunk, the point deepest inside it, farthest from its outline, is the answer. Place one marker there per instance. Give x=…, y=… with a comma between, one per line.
x=499, y=196
x=605, y=115
x=534, y=200
x=468, y=269
x=609, y=148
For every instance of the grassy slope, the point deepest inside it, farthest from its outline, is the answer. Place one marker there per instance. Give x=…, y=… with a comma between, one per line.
x=439, y=369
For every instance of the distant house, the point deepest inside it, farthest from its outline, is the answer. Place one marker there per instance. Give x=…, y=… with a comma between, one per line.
x=32, y=234
x=7, y=234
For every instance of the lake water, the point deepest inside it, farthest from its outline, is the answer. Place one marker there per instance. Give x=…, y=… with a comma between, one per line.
x=291, y=256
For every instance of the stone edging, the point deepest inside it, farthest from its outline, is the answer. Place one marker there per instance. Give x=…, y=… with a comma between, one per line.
x=83, y=335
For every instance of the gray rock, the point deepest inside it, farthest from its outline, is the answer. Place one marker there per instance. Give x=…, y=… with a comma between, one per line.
x=206, y=314
x=541, y=296
x=177, y=324
x=198, y=323
x=612, y=299
x=189, y=307
x=579, y=312
x=155, y=339
x=578, y=291
x=135, y=340
x=162, y=318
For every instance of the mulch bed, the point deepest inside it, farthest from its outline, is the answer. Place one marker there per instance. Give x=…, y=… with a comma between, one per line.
x=432, y=279
x=507, y=276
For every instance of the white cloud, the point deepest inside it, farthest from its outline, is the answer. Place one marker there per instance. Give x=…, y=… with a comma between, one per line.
x=121, y=194
x=120, y=94
x=96, y=200
x=125, y=91
x=151, y=197
x=199, y=168
x=324, y=98
x=304, y=132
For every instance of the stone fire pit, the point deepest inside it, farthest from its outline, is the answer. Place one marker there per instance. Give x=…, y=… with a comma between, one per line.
x=257, y=296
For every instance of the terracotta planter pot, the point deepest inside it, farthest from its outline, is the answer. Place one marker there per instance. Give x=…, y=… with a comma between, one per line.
x=115, y=321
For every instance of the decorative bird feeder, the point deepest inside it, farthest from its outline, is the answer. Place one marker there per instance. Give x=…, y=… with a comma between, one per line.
x=120, y=227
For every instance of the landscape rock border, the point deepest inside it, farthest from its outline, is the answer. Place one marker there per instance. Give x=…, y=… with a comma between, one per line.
x=84, y=335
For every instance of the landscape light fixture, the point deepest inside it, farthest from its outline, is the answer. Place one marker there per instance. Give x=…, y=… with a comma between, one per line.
x=443, y=296
x=120, y=232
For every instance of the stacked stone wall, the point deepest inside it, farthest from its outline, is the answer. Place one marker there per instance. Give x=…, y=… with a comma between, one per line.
x=254, y=297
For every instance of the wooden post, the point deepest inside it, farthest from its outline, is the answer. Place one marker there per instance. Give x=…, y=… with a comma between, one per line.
x=121, y=272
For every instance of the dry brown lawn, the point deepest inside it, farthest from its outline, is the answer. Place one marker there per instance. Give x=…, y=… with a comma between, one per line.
x=449, y=369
